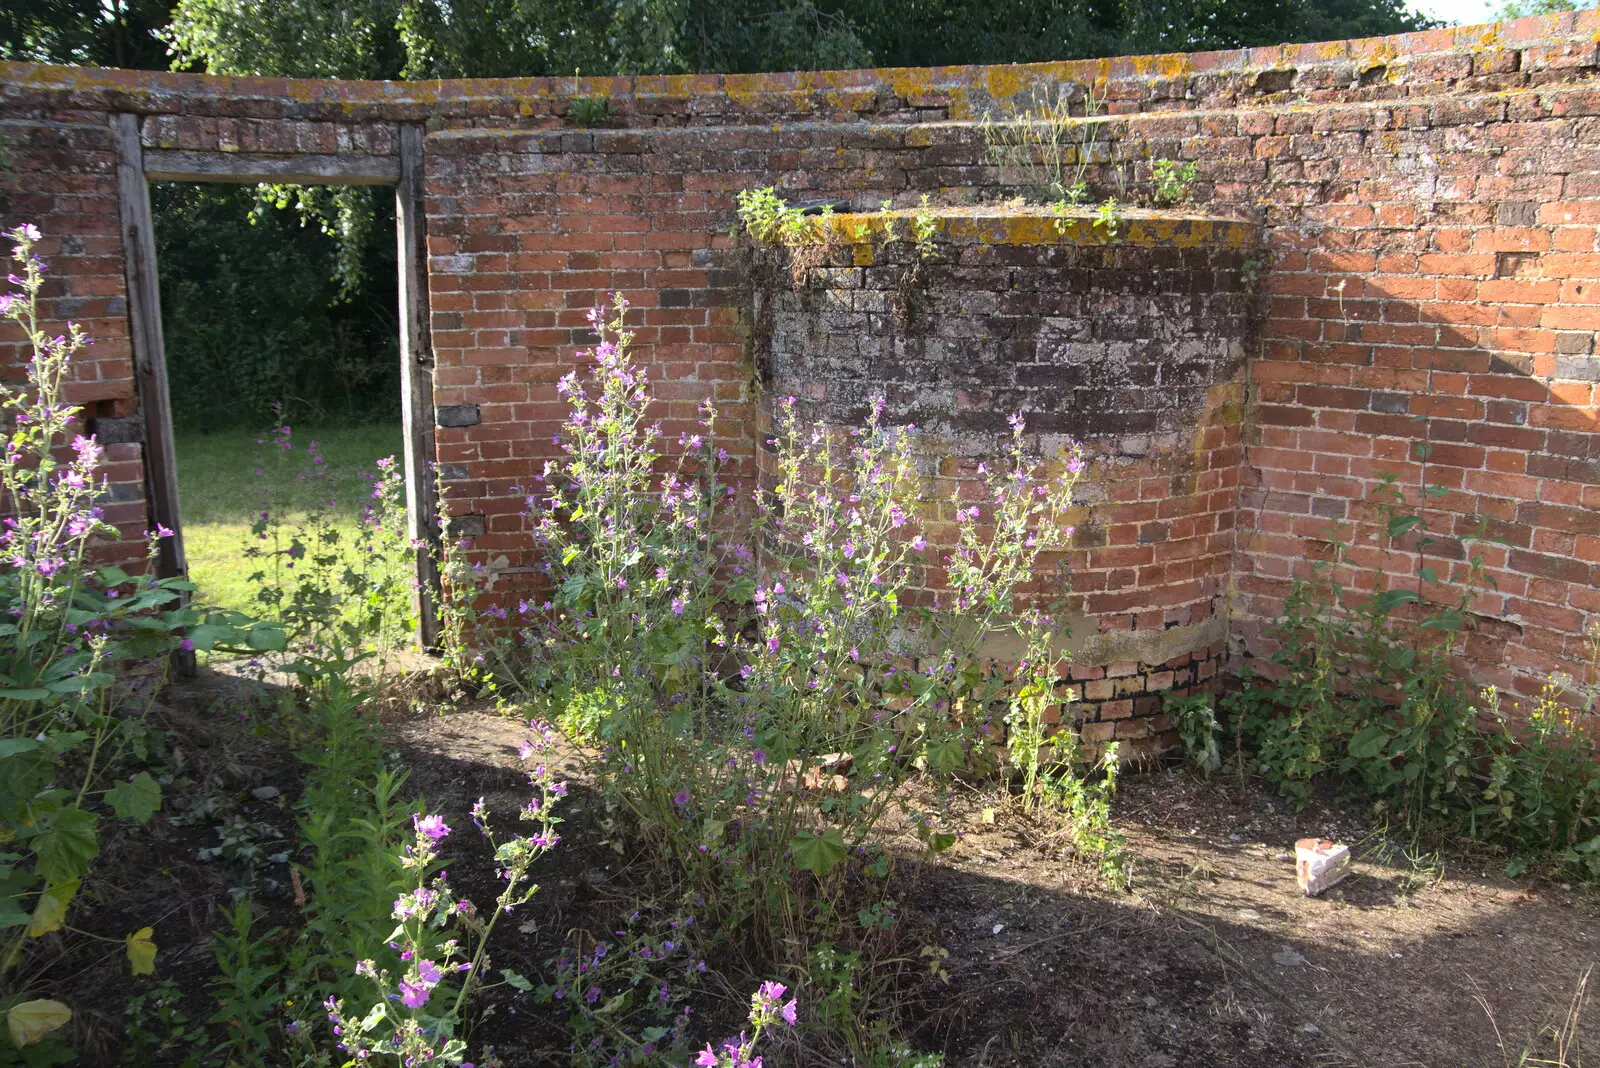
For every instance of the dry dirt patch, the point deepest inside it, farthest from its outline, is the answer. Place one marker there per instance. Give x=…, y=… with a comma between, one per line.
x=1212, y=957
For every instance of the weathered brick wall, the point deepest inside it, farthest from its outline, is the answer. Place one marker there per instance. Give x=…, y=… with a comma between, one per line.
x=1133, y=348
x=1428, y=204
x=75, y=206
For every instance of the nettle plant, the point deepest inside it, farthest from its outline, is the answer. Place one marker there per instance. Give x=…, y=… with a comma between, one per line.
x=764, y=670
x=1365, y=692
x=336, y=592
x=67, y=732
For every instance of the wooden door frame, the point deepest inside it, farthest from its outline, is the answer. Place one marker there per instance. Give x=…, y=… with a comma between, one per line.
x=136, y=168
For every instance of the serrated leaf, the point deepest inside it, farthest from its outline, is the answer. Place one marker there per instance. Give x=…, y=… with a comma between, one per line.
x=1369, y=742
x=67, y=846
x=142, y=951
x=137, y=799
x=1401, y=524
x=1389, y=600
x=818, y=853
x=50, y=911
x=30, y=1021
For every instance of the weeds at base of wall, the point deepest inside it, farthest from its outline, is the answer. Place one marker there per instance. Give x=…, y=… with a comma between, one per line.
x=1362, y=694
x=758, y=705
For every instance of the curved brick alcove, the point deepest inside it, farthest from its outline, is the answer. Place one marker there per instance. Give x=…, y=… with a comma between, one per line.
x=1130, y=341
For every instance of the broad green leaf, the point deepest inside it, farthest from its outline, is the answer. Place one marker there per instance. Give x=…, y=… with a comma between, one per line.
x=10, y=747
x=25, y=695
x=939, y=841
x=945, y=755
x=80, y=684
x=1427, y=574
x=515, y=979
x=1401, y=524
x=142, y=951
x=32, y=1020
x=268, y=639
x=818, y=854
x=67, y=845
x=207, y=635
x=11, y=915
x=113, y=576
x=373, y=1018
x=1369, y=742
x=137, y=799
x=50, y=911
x=1389, y=600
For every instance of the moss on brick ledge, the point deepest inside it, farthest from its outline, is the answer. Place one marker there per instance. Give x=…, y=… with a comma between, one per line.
x=1011, y=225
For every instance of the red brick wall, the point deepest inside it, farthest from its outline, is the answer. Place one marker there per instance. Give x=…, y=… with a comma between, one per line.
x=1429, y=204
x=60, y=174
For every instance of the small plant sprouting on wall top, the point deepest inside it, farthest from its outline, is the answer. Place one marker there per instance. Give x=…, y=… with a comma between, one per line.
x=769, y=220
x=586, y=111
x=1045, y=147
x=1109, y=217
x=1172, y=180
x=923, y=226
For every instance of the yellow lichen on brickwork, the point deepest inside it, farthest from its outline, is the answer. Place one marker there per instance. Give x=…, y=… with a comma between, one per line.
x=1004, y=83
x=998, y=226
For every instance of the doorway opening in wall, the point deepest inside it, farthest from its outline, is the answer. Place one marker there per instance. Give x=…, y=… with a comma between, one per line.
x=282, y=354
x=285, y=387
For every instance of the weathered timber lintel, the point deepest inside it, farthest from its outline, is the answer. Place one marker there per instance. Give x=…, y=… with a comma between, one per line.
x=178, y=165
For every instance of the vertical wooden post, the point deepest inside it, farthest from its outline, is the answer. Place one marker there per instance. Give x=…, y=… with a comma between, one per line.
x=149, y=351
x=416, y=383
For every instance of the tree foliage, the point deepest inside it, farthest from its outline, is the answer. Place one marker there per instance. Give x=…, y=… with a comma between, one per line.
x=250, y=305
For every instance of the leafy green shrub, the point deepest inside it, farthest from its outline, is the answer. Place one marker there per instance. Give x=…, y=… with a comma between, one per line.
x=769, y=220
x=329, y=590
x=66, y=734
x=254, y=312
x=1172, y=180
x=1368, y=696
x=1196, y=723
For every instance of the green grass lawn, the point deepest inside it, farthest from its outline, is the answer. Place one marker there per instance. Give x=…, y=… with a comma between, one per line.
x=221, y=494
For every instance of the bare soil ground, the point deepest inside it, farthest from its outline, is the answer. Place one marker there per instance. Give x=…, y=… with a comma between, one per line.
x=1210, y=957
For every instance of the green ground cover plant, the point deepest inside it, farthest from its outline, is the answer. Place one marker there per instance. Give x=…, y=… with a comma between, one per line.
x=1361, y=693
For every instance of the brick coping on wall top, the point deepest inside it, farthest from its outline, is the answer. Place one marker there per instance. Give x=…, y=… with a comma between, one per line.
x=1541, y=47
